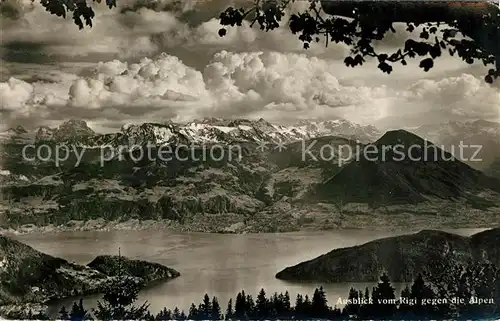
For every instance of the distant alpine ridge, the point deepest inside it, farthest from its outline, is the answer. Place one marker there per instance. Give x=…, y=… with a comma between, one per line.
x=213, y=130
x=265, y=190
x=207, y=130
x=448, y=136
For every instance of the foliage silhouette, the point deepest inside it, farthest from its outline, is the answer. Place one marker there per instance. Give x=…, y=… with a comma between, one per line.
x=468, y=29
x=78, y=312
x=63, y=313
x=119, y=298
x=445, y=290
x=475, y=280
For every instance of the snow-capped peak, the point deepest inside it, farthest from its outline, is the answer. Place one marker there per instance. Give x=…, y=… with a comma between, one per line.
x=209, y=130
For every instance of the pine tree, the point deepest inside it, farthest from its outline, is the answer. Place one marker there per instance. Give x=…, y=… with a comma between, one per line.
x=149, y=317
x=249, y=306
x=286, y=304
x=119, y=297
x=299, y=306
x=164, y=315
x=307, y=306
x=176, y=314
x=262, y=305
x=78, y=312
x=216, y=311
x=280, y=305
x=275, y=304
x=229, y=310
x=240, y=305
x=418, y=289
x=63, y=313
x=419, y=292
x=404, y=305
x=365, y=308
x=384, y=298
x=319, y=304
x=352, y=307
x=193, y=312
x=206, y=308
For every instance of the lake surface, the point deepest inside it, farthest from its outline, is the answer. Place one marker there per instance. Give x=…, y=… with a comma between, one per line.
x=217, y=264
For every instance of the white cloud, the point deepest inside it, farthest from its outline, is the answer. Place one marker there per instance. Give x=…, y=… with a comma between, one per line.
x=147, y=31
x=277, y=86
x=15, y=93
x=247, y=73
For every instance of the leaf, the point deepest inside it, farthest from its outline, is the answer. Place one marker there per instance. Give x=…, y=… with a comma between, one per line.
x=349, y=62
x=435, y=51
x=382, y=57
x=385, y=67
x=427, y=64
x=111, y=3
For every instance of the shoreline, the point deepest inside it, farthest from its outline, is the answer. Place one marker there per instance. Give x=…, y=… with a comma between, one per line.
x=100, y=225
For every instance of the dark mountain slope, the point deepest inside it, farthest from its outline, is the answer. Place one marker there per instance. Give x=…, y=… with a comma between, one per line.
x=402, y=168
x=28, y=276
x=402, y=257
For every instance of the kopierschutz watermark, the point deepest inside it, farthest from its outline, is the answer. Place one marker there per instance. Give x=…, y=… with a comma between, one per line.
x=397, y=152
x=311, y=150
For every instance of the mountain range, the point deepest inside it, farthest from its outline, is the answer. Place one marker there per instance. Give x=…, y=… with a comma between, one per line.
x=207, y=130
x=282, y=178
x=401, y=257
x=448, y=136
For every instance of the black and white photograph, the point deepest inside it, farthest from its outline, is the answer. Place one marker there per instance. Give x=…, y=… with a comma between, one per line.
x=249, y=160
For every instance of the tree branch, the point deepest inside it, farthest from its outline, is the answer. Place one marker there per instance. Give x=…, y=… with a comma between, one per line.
x=358, y=23
x=479, y=21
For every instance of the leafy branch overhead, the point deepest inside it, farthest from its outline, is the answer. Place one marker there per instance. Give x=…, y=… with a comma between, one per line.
x=469, y=30
x=79, y=8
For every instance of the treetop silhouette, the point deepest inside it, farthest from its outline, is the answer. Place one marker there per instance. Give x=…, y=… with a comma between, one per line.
x=470, y=30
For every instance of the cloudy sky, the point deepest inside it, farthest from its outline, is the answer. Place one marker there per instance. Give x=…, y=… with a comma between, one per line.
x=158, y=60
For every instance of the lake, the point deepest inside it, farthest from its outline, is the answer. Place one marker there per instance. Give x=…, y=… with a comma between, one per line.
x=217, y=264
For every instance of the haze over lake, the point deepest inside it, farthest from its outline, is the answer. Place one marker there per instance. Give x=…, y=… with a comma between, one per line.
x=217, y=264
